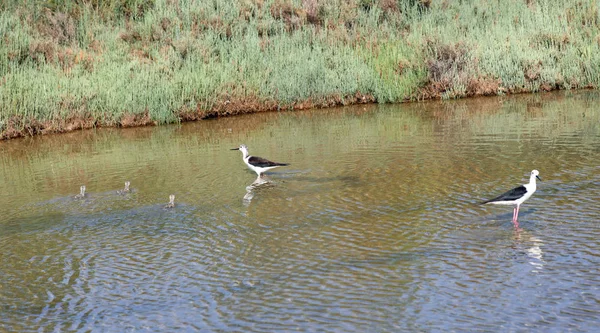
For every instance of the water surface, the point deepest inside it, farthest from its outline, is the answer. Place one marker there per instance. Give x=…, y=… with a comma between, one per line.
x=374, y=227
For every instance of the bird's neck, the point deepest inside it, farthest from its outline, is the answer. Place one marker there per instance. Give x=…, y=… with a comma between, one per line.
x=532, y=181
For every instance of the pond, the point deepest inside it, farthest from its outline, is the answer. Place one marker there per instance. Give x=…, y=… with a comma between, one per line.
x=373, y=227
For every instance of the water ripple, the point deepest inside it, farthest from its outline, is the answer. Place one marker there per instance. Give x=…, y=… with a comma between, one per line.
x=376, y=227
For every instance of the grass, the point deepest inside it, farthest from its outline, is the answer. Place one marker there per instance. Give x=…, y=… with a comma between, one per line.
x=73, y=64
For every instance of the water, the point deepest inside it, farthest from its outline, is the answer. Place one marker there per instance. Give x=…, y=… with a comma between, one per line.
x=374, y=227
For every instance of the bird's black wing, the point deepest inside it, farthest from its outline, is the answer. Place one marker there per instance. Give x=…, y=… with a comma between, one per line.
x=513, y=194
x=262, y=162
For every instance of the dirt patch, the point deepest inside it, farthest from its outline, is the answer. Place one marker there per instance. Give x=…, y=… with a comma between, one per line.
x=135, y=120
x=483, y=87
x=59, y=26
x=285, y=11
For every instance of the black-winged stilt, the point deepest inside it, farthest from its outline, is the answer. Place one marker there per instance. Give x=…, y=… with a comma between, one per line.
x=257, y=164
x=516, y=196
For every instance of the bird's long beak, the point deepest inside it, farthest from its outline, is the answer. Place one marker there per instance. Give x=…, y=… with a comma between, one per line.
x=538, y=177
x=234, y=149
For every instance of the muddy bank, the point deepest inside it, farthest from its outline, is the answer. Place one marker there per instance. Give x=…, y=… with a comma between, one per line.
x=18, y=127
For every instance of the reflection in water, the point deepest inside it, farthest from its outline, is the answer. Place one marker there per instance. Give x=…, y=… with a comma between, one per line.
x=260, y=182
x=532, y=248
x=376, y=228
x=81, y=194
x=536, y=254
x=126, y=189
x=171, y=203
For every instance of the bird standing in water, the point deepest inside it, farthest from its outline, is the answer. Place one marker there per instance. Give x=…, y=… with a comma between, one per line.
x=516, y=196
x=257, y=164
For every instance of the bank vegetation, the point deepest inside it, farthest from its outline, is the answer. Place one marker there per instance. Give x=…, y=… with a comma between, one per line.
x=73, y=64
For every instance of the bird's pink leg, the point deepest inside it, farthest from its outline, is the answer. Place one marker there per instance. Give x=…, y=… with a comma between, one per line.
x=516, y=216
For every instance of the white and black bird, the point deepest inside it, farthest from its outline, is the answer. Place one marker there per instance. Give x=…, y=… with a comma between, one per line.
x=257, y=164
x=516, y=196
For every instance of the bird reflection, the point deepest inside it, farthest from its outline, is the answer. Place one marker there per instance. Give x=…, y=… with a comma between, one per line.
x=536, y=254
x=171, y=203
x=259, y=182
x=126, y=189
x=532, y=245
x=81, y=194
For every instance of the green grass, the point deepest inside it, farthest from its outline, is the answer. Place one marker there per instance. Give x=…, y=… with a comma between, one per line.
x=103, y=61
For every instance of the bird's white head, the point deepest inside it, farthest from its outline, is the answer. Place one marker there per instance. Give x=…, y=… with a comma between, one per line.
x=536, y=174
x=242, y=148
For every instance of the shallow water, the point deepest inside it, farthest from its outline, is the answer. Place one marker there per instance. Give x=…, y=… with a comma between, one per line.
x=374, y=227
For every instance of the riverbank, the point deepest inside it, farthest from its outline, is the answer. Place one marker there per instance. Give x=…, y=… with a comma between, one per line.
x=66, y=66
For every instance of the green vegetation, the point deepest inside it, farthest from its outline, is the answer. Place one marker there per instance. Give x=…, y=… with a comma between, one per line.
x=81, y=63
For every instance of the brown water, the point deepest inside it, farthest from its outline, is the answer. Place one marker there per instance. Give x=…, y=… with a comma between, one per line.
x=373, y=227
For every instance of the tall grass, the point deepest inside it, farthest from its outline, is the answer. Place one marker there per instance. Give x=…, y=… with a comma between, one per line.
x=103, y=62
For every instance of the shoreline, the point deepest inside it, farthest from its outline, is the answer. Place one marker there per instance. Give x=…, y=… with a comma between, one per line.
x=223, y=110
